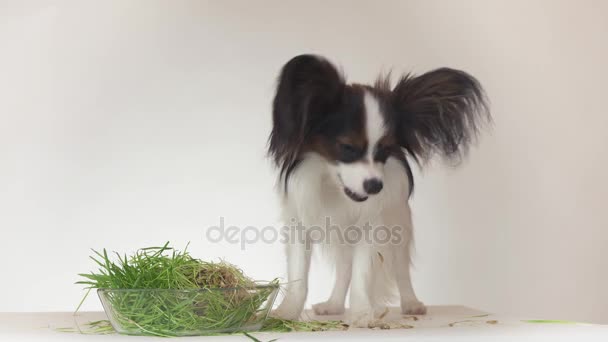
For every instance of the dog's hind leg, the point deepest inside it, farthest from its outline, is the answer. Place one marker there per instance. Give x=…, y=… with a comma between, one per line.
x=410, y=305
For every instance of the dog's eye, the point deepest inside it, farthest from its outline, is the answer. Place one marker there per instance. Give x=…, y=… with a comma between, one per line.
x=382, y=154
x=349, y=153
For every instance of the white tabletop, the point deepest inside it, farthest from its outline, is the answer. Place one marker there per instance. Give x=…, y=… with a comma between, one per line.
x=442, y=323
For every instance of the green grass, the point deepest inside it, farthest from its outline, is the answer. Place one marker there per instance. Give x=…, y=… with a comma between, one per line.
x=101, y=327
x=165, y=292
x=274, y=324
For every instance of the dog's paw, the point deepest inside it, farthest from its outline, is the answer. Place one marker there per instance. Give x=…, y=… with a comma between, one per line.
x=361, y=318
x=283, y=314
x=286, y=311
x=413, y=308
x=378, y=324
x=381, y=312
x=328, y=308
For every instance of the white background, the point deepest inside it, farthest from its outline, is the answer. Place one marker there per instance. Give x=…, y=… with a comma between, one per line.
x=125, y=124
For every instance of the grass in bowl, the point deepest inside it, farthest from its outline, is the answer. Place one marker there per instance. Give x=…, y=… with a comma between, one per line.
x=165, y=292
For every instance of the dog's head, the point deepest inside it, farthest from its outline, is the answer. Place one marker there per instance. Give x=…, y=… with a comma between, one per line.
x=356, y=128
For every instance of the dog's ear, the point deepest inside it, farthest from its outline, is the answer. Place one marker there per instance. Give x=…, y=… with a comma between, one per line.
x=439, y=112
x=308, y=88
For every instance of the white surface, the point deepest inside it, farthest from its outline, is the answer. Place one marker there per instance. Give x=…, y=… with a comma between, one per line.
x=128, y=123
x=433, y=327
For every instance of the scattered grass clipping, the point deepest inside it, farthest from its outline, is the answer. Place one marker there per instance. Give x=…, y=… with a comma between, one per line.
x=165, y=292
x=273, y=324
x=549, y=321
x=101, y=327
x=472, y=322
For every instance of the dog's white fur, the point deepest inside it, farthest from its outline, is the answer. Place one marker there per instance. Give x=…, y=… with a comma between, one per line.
x=373, y=270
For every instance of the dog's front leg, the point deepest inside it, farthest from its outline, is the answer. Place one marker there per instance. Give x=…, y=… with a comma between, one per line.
x=361, y=311
x=298, y=264
x=335, y=304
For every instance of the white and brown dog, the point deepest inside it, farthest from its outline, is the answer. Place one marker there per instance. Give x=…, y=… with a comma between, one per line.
x=343, y=150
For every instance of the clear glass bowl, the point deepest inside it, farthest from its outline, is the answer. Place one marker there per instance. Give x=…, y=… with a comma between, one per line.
x=168, y=312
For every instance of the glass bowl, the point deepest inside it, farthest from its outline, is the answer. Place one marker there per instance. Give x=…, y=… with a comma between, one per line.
x=169, y=312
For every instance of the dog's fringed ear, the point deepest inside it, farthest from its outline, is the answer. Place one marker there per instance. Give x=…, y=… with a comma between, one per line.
x=308, y=88
x=439, y=112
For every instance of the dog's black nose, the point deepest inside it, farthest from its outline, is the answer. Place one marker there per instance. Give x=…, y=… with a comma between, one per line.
x=372, y=186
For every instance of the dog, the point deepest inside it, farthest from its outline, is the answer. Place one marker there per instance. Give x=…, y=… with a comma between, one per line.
x=343, y=153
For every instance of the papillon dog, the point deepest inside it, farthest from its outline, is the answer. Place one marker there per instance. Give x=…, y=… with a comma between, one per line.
x=343, y=152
